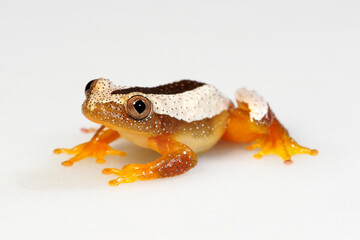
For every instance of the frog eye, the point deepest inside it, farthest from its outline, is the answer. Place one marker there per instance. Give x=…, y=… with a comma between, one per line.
x=88, y=86
x=138, y=107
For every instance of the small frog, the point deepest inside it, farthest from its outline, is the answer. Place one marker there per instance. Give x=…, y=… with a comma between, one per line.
x=178, y=120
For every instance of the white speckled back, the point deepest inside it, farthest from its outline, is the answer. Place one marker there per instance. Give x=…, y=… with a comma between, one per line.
x=200, y=103
x=204, y=101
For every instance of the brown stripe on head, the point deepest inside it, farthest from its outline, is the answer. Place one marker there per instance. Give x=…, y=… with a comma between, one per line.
x=167, y=89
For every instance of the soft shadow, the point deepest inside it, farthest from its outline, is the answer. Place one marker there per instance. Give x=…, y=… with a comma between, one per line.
x=223, y=149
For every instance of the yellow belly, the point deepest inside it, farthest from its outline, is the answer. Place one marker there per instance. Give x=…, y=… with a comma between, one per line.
x=200, y=136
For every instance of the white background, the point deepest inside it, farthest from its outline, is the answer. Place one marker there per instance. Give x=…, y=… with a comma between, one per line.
x=302, y=56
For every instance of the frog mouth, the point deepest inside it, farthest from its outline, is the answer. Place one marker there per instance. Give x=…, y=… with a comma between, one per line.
x=89, y=112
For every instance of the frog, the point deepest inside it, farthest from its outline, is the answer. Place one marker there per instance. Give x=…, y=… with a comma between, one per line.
x=179, y=120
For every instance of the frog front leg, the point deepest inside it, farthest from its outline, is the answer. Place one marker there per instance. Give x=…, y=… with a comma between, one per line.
x=254, y=121
x=176, y=159
x=97, y=147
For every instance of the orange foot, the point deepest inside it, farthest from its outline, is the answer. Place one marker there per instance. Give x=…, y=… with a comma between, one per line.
x=89, y=149
x=130, y=173
x=97, y=147
x=277, y=141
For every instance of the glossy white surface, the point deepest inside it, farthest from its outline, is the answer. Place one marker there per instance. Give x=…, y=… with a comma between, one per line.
x=302, y=57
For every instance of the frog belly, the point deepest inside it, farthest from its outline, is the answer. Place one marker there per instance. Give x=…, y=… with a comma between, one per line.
x=202, y=135
x=139, y=139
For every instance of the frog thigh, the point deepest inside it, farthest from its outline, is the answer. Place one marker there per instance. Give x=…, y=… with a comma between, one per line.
x=254, y=121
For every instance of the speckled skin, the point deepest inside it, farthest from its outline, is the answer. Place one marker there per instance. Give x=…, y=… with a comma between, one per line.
x=181, y=120
x=199, y=135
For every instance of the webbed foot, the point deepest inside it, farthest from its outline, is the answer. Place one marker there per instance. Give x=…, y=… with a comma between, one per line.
x=130, y=173
x=277, y=141
x=97, y=147
x=89, y=149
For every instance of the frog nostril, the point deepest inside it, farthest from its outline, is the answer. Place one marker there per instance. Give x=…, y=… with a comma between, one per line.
x=88, y=86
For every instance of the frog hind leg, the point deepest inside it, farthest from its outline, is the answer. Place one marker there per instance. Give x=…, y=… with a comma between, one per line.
x=254, y=122
x=97, y=147
x=176, y=159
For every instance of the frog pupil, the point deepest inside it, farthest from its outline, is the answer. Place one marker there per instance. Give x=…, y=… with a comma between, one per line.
x=139, y=106
x=88, y=85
